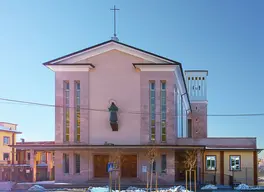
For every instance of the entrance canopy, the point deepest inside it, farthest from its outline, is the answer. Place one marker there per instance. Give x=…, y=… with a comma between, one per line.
x=54, y=147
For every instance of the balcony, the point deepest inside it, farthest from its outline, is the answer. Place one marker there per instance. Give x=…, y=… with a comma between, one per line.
x=220, y=142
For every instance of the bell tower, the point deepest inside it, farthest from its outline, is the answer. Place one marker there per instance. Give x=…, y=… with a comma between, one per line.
x=196, y=82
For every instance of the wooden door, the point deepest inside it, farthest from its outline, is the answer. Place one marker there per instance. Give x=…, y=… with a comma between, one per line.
x=129, y=166
x=100, y=165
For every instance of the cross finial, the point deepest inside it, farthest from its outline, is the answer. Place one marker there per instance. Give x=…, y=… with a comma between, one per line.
x=115, y=9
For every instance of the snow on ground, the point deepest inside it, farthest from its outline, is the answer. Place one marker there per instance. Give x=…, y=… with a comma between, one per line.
x=209, y=187
x=105, y=189
x=246, y=187
x=135, y=189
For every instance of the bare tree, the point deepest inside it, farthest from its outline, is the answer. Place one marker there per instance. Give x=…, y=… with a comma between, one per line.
x=151, y=155
x=191, y=163
x=115, y=157
x=190, y=159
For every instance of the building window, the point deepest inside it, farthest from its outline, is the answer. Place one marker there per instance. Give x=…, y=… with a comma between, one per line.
x=67, y=110
x=179, y=115
x=211, y=163
x=163, y=163
x=78, y=111
x=153, y=168
x=77, y=159
x=235, y=163
x=28, y=156
x=152, y=104
x=163, y=111
x=66, y=165
x=43, y=157
x=6, y=156
x=189, y=125
x=6, y=140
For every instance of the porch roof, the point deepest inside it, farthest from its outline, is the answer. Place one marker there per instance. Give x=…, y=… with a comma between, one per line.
x=54, y=147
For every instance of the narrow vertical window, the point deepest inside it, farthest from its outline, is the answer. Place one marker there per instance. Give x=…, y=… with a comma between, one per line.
x=43, y=157
x=152, y=111
x=163, y=110
x=77, y=111
x=28, y=156
x=66, y=165
x=189, y=124
x=77, y=159
x=163, y=163
x=153, y=167
x=179, y=114
x=67, y=110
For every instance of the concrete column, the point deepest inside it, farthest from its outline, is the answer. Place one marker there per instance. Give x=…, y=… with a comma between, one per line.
x=33, y=165
x=50, y=164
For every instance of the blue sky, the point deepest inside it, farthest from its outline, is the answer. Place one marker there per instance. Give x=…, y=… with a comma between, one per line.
x=224, y=37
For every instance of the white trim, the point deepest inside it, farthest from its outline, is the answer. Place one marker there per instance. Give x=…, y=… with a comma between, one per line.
x=71, y=68
x=205, y=102
x=108, y=47
x=181, y=87
x=154, y=67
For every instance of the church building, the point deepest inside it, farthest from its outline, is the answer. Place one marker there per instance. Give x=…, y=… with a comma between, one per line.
x=113, y=97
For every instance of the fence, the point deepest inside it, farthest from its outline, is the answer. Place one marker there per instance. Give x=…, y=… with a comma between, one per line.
x=23, y=173
x=215, y=178
x=245, y=175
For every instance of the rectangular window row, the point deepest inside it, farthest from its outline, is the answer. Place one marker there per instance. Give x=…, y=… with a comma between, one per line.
x=234, y=163
x=152, y=110
x=66, y=163
x=77, y=111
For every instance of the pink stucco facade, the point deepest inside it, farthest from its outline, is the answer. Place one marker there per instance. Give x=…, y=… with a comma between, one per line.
x=113, y=79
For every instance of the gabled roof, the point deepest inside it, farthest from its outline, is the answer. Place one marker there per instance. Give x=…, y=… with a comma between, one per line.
x=104, y=43
x=72, y=61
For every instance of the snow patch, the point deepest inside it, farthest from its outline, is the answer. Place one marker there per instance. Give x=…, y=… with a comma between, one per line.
x=209, y=187
x=98, y=189
x=246, y=187
x=36, y=188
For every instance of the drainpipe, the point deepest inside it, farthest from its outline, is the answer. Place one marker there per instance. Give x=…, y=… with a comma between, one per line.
x=13, y=149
